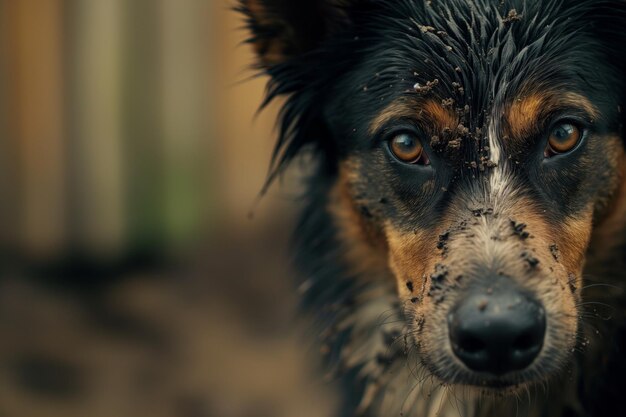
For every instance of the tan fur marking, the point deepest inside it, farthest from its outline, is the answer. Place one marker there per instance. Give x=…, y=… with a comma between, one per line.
x=440, y=116
x=410, y=254
x=523, y=114
x=365, y=246
x=429, y=112
x=573, y=241
x=526, y=112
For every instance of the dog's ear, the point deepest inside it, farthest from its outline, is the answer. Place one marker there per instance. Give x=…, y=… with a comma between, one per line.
x=288, y=37
x=285, y=29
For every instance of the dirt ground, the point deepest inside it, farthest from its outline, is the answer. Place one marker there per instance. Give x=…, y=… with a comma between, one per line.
x=215, y=336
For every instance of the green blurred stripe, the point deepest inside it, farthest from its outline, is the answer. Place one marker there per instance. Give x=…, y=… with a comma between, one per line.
x=141, y=121
x=184, y=114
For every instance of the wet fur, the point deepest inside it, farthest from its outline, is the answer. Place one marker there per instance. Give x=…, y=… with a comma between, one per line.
x=383, y=257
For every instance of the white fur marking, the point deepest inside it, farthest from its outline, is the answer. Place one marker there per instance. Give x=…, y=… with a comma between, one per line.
x=499, y=181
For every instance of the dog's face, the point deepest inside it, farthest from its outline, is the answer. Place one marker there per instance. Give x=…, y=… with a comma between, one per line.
x=477, y=145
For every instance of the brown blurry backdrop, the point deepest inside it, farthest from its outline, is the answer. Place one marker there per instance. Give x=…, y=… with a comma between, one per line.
x=133, y=282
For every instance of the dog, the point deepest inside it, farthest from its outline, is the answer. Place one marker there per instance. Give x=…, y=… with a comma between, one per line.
x=463, y=240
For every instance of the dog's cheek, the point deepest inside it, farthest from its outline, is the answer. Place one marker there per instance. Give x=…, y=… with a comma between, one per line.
x=411, y=255
x=417, y=266
x=562, y=249
x=571, y=242
x=363, y=244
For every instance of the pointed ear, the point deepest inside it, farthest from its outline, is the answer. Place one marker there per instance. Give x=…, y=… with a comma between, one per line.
x=284, y=29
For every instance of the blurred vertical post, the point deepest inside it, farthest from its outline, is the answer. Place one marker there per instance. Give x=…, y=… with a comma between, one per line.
x=212, y=102
x=7, y=155
x=34, y=30
x=184, y=109
x=103, y=127
x=97, y=177
x=141, y=109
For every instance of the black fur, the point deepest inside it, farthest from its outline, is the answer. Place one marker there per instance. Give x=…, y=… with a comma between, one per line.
x=350, y=61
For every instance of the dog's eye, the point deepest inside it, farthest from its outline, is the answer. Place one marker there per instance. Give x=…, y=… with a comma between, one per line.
x=408, y=148
x=563, y=138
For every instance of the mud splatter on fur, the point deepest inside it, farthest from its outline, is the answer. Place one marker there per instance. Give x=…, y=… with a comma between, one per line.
x=481, y=103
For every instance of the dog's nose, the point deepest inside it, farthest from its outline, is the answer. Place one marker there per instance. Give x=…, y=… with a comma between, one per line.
x=498, y=332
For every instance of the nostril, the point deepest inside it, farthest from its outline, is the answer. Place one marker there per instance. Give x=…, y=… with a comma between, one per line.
x=471, y=344
x=526, y=341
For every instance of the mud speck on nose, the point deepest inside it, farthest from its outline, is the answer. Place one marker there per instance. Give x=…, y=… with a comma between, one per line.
x=530, y=259
x=482, y=211
x=519, y=229
x=441, y=271
x=442, y=244
x=571, y=281
x=554, y=250
x=420, y=322
x=436, y=281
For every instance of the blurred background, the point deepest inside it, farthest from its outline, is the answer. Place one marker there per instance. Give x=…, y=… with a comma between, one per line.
x=138, y=273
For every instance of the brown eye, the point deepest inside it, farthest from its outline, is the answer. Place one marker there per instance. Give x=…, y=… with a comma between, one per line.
x=563, y=138
x=408, y=148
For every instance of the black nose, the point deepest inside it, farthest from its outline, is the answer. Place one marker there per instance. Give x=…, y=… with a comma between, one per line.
x=497, y=333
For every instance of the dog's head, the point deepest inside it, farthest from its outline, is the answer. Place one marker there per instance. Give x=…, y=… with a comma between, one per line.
x=476, y=146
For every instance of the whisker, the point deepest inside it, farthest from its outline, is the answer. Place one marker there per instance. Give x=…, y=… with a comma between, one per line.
x=595, y=303
x=601, y=285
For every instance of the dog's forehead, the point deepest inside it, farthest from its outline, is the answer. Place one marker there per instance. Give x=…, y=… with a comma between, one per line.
x=517, y=116
x=477, y=63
